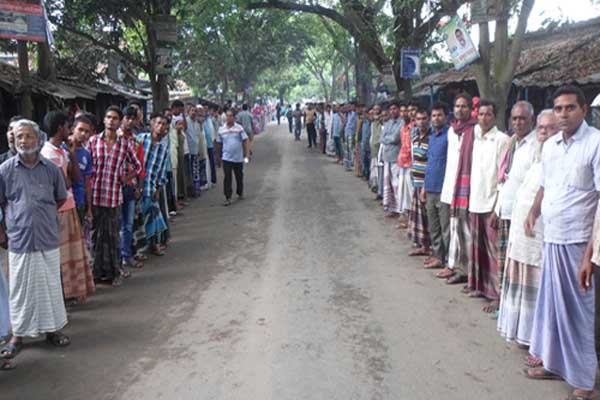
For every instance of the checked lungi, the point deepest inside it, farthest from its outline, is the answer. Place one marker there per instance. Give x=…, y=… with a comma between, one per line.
x=417, y=222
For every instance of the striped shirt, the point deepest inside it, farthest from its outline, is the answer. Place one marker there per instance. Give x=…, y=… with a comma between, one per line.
x=420, y=145
x=108, y=169
x=156, y=155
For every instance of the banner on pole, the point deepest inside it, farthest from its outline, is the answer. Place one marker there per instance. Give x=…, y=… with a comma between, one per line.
x=22, y=21
x=410, y=63
x=462, y=49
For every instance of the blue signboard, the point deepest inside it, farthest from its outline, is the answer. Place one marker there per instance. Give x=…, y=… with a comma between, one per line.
x=410, y=63
x=22, y=21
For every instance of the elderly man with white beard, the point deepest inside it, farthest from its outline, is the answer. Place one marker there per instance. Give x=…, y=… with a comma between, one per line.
x=32, y=189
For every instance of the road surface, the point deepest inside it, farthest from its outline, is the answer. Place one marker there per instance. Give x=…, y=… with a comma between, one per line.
x=300, y=291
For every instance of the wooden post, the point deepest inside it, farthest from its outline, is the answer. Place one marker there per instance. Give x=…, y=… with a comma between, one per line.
x=24, y=92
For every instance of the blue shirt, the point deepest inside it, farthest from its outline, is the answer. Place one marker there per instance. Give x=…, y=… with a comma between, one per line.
x=84, y=159
x=155, y=158
x=232, y=138
x=366, y=133
x=436, y=160
x=209, y=128
x=350, y=128
x=336, y=125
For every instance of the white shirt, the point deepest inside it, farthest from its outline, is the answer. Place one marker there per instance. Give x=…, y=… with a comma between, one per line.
x=522, y=161
x=328, y=122
x=451, y=166
x=487, y=150
x=571, y=181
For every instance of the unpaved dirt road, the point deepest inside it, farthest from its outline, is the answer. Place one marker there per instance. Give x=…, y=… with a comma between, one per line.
x=300, y=291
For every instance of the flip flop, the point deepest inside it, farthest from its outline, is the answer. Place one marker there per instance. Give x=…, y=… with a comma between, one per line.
x=418, y=252
x=58, y=339
x=543, y=376
x=10, y=350
x=7, y=366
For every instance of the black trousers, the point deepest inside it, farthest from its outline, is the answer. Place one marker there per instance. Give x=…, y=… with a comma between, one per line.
x=238, y=170
x=290, y=124
x=312, y=134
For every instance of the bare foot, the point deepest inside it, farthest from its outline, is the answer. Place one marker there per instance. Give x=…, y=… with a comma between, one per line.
x=492, y=307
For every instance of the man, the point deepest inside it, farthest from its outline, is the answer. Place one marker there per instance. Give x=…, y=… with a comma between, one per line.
x=417, y=221
x=210, y=146
x=10, y=139
x=297, y=115
x=311, y=131
x=77, y=279
x=455, y=190
x=374, y=145
x=328, y=132
x=176, y=138
x=405, y=189
x=31, y=191
x=521, y=280
x=438, y=213
x=517, y=157
x=82, y=188
x=109, y=152
x=131, y=191
x=336, y=128
x=349, y=132
x=488, y=144
x=365, y=149
x=289, y=115
x=155, y=154
x=244, y=118
x=232, y=150
x=206, y=135
x=390, y=139
x=193, y=134
x=357, y=139
x=563, y=327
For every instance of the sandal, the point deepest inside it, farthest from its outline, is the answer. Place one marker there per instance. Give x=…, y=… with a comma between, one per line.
x=140, y=257
x=58, y=339
x=445, y=273
x=419, y=252
x=157, y=251
x=11, y=349
x=435, y=265
x=593, y=395
x=133, y=263
x=541, y=374
x=124, y=272
x=117, y=281
x=7, y=366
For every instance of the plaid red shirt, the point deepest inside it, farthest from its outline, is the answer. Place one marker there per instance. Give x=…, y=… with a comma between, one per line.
x=108, y=169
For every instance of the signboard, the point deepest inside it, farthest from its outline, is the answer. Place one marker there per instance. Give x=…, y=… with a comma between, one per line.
x=22, y=21
x=163, y=60
x=166, y=29
x=410, y=63
x=462, y=49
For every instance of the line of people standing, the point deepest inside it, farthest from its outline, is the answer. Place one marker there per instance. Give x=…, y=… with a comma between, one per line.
x=83, y=204
x=511, y=219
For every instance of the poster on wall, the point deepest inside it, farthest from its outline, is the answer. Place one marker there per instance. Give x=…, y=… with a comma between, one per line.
x=22, y=20
x=462, y=49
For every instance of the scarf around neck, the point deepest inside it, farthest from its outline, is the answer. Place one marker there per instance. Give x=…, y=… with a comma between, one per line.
x=462, y=185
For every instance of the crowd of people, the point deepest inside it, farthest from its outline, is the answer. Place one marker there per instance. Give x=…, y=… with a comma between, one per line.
x=509, y=217
x=83, y=203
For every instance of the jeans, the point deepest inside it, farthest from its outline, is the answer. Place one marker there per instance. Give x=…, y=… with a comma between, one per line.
x=312, y=134
x=127, y=217
x=338, y=147
x=438, y=217
x=213, y=168
x=238, y=171
x=297, y=131
x=290, y=124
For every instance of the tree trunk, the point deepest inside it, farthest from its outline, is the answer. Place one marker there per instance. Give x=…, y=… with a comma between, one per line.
x=347, y=74
x=24, y=87
x=363, y=81
x=333, y=82
x=46, y=64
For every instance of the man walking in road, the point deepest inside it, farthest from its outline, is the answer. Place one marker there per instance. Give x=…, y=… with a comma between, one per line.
x=232, y=150
x=311, y=131
x=297, y=115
